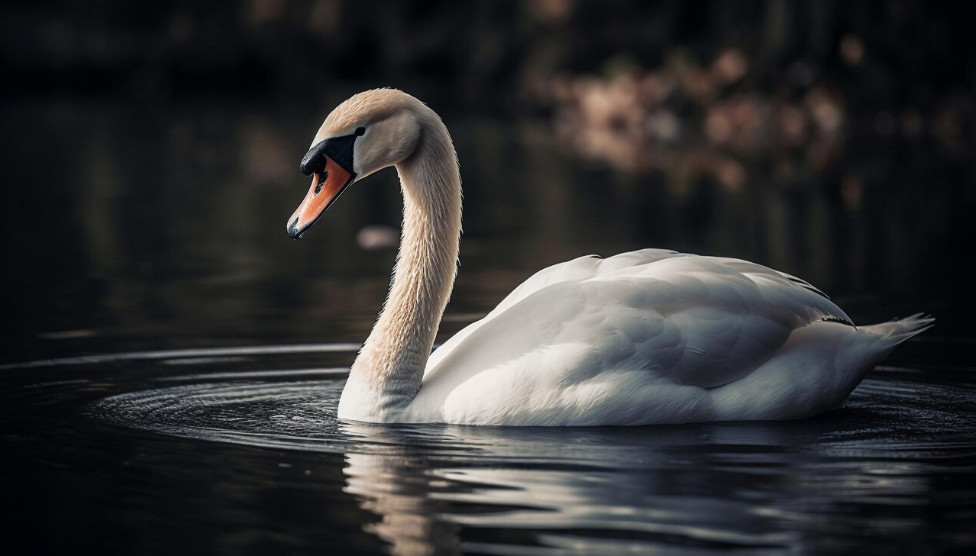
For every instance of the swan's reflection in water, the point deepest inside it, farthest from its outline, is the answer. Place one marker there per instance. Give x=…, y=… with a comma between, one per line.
x=880, y=471
x=401, y=494
x=715, y=488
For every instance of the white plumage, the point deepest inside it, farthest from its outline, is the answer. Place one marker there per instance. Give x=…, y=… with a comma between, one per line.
x=646, y=337
x=653, y=336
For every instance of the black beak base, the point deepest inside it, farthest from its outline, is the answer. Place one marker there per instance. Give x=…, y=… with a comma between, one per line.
x=338, y=149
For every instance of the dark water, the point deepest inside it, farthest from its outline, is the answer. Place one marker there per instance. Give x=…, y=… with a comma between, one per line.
x=171, y=361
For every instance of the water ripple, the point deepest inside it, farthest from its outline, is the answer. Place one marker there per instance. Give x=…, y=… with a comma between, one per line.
x=284, y=409
x=900, y=447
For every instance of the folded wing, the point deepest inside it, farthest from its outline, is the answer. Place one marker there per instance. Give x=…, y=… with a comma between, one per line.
x=692, y=320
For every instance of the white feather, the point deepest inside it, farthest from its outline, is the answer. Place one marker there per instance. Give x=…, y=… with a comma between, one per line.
x=652, y=337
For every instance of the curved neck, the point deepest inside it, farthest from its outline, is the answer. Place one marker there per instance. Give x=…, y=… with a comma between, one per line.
x=393, y=358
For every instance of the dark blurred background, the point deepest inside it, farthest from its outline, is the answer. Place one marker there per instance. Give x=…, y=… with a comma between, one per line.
x=151, y=154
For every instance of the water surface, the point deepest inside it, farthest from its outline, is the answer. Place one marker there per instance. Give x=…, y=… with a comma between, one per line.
x=171, y=360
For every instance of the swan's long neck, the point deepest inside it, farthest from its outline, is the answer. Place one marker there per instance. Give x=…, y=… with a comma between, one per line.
x=391, y=364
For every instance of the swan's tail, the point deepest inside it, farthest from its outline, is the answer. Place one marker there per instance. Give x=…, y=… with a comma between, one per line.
x=873, y=343
x=894, y=332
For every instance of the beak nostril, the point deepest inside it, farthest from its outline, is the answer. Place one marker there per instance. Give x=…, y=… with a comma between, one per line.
x=322, y=177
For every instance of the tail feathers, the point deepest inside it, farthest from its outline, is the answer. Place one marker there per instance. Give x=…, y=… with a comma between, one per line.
x=895, y=332
x=872, y=344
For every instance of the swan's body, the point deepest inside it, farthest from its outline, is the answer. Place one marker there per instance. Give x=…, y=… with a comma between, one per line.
x=646, y=337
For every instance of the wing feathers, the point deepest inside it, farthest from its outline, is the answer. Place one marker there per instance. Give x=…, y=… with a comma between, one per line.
x=692, y=320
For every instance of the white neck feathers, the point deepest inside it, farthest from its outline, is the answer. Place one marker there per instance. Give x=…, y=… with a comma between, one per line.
x=391, y=363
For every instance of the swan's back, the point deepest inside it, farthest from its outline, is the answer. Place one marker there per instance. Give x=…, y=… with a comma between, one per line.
x=575, y=334
x=662, y=285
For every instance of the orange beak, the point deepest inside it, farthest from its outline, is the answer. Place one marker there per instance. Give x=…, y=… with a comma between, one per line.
x=325, y=189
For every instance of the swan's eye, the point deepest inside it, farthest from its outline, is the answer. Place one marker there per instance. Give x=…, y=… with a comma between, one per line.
x=360, y=131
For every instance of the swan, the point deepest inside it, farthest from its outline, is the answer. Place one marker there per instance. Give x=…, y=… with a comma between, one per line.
x=647, y=337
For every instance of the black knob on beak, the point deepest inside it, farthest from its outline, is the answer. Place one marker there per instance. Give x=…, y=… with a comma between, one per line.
x=314, y=160
x=338, y=149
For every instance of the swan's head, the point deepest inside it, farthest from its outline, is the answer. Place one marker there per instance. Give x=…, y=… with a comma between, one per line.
x=368, y=132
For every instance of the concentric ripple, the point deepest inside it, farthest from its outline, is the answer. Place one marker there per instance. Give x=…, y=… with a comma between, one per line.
x=700, y=489
x=901, y=448
x=884, y=416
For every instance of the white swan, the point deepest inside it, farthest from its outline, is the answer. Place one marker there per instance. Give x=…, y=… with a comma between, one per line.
x=651, y=336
